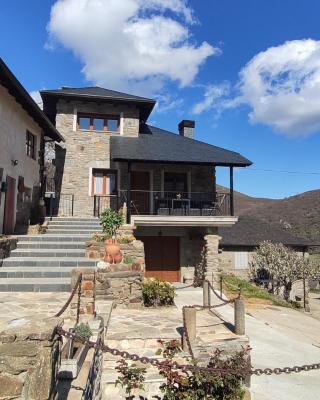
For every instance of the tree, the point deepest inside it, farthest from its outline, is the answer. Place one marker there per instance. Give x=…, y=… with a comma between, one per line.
x=281, y=265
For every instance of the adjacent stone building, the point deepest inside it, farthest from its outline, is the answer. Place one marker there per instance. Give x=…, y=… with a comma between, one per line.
x=24, y=129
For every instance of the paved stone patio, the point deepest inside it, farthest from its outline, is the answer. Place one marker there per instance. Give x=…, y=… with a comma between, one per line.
x=21, y=304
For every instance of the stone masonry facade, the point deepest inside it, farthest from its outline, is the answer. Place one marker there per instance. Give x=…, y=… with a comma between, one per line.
x=84, y=150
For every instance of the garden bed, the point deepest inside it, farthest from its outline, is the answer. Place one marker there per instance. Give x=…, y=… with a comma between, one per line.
x=252, y=294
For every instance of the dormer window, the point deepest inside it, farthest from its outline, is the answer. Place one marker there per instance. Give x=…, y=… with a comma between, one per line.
x=100, y=123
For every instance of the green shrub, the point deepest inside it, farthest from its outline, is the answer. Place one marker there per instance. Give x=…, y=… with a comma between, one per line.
x=157, y=293
x=83, y=332
x=111, y=221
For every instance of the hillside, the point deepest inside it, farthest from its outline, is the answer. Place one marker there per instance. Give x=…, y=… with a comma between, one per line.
x=298, y=214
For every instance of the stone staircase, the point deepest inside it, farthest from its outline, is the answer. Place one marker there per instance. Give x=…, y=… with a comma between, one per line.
x=43, y=263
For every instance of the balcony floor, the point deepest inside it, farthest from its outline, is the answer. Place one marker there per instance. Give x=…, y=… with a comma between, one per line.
x=183, y=220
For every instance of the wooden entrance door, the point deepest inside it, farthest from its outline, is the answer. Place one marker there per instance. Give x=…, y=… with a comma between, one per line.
x=9, y=206
x=140, y=195
x=162, y=257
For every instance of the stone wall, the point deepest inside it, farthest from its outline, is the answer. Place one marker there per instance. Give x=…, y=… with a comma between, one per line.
x=29, y=359
x=84, y=150
x=119, y=284
x=7, y=244
x=87, y=298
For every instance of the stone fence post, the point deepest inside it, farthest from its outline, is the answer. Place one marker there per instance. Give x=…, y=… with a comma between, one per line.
x=87, y=299
x=29, y=359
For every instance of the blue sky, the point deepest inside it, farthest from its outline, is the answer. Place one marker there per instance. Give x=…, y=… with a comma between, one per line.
x=243, y=69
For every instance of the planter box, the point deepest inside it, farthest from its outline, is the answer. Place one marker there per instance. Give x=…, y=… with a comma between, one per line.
x=72, y=363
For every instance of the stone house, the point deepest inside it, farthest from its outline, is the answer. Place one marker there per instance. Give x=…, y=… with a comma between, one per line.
x=239, y=243
x=165, y=181
x=24, y=130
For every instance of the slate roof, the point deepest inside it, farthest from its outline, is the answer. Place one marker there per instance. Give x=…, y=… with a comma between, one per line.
x=11, y=83
x=157, y=145
x=98, y=93
x=250, y=231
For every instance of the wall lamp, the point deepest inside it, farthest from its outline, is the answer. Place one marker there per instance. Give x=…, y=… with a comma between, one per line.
x=14, y=162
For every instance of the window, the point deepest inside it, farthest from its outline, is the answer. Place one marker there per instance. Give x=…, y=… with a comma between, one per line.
x=104, y=182
x=31, y=145
x=241, y=260
x=103, y=123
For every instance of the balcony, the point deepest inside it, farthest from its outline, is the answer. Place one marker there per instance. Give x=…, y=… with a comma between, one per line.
x=170, y=208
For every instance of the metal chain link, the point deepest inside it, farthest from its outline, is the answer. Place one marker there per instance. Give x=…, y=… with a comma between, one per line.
x=186, y=367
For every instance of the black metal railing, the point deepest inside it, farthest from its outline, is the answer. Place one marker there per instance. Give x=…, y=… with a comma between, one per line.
x=101, y=202
x=176, y=203
x=60, y=204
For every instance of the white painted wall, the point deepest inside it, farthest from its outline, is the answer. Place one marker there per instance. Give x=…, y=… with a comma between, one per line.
x=14, y=121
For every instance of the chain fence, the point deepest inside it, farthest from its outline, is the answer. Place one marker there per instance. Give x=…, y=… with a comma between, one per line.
x=99, y=345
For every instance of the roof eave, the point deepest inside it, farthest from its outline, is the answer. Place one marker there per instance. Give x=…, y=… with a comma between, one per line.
x=213, y=163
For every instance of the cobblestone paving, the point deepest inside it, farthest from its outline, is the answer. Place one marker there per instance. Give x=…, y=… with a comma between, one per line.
x=18, y=305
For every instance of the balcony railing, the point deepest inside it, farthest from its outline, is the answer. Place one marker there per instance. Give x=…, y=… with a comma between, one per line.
x=166, y=203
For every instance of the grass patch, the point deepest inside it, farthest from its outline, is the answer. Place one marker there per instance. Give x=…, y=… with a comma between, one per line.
x=251, y=291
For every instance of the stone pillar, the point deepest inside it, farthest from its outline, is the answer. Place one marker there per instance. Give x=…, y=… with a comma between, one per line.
x=87, y=299
x=212, y=257
x=30, y=359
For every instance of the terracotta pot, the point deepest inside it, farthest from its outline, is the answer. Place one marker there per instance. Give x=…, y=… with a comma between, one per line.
x=112, y=248
x=107, y=258
x=117, y=258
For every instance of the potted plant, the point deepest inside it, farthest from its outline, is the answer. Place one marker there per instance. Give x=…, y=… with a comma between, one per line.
x=74, y=352
x=111, y=221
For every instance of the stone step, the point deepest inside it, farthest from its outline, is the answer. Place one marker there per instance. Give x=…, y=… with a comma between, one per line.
x=48, y=262
x=74, y=228
x=35, y=272
x=56, y=237
x=35, y=285
x=73, y=231
x=71, y=219
x=73, y=223
x=51, y=245
x=57, y=252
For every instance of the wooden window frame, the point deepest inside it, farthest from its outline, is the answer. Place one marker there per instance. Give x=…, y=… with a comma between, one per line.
x=31, y=145
x=104, y=182
x=105, y=118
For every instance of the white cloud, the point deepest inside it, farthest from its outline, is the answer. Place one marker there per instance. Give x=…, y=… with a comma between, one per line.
x=212, y=98
x=130, y=43
x=37, y=98
x=281, y=86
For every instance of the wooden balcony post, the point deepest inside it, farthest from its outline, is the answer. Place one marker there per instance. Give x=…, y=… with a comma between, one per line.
x=231, y=192
x=214, y=184
x=129, y=194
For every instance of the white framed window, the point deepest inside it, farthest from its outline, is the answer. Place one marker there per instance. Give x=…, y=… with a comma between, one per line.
x=104, y=182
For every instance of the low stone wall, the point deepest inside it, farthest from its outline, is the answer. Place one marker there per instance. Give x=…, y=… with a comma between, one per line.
x=87, y=298
x=29, y=359
x=120, y=285
x=7, y=244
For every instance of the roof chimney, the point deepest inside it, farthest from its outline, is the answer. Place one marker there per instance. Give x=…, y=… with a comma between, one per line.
x=186, y=128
